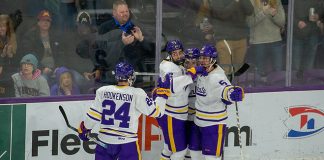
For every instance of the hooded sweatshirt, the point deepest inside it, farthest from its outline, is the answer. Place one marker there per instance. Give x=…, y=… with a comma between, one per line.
x=37, y=86
x=56, y=90
x=30, y=88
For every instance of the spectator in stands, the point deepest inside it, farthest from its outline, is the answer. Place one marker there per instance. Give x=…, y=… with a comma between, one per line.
x=188, y=19
x=90, y=5
x=203, y=20
x=8, y=44
x=16, y=18
x=42, y=41
x=8, y=47
x=306, y=34
x=113, y=44
x=194, y=21
x=266, y=24
x=29, y=82
x=87, y=46
x=121, y=18
x=134, y=47
x=229, y=21
x=86, y=34
x=65, y=83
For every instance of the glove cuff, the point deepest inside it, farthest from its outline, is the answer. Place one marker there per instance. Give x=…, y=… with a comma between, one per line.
x=226, y=102
x=192, y=70
x=233, y=93
x=83, y=132
x=163, y=92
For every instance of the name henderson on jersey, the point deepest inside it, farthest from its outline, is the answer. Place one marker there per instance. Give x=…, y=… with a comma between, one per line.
x=118, y=96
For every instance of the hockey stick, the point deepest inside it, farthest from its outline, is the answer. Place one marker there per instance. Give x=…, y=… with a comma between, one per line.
x=242, y=70
x=236, y=108
x=76, y=130
x=239, y=72
x=3, y=153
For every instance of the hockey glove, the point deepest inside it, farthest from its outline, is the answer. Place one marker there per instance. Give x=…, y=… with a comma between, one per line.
x=83, y=132
x=232, y=94
x=163, y=87
x=236, y=94
x=166, y=83
x=194, y=71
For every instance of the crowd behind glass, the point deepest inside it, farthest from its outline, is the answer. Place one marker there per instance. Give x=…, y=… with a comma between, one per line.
x=70, y=47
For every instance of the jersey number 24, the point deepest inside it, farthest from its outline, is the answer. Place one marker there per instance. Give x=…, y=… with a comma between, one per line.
x=121, y=114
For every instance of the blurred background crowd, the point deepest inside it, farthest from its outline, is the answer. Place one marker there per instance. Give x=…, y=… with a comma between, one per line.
x=70, y=47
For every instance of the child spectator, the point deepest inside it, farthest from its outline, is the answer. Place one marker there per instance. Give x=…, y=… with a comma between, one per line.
x=65, y=83
x=29, y=82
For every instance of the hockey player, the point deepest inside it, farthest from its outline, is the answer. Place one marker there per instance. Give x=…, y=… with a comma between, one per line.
x=176, y=111
x=193, y=134
x=117, y=109
x=213, y=92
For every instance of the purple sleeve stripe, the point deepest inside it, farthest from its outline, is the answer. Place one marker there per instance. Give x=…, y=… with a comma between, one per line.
x=212, y=120
x=93, y=117
x=202, y=95
x=95, y=110
x=191, y=108
x=177, y=106
x=119, y=131
x=210, y=112
x=116, y=135
x=165, y=155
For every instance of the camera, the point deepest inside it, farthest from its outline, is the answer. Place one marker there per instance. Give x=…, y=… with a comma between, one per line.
x=128, y=27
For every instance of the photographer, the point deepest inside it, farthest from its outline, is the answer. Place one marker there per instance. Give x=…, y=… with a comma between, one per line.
x=120, y=20
x=135, y=47
x=117, y=40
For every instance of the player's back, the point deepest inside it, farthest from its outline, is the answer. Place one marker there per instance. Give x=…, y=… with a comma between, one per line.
x=119, y=122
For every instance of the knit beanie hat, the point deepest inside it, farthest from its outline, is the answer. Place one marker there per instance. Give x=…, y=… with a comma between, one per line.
x=84, y=18
x=31, y=59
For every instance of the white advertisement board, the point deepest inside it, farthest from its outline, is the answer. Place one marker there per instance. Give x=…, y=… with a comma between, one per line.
x=48, y=137
x=284, y=125
x=274, y=125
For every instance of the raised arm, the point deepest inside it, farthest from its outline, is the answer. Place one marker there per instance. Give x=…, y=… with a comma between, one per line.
x=154, y=107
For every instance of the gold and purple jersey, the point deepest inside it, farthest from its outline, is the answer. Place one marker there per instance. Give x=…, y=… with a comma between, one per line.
x=118, y=108
x=210, y=109
x=177, y=103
